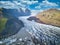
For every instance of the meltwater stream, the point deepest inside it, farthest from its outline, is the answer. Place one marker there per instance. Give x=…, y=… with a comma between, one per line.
x=40, y=33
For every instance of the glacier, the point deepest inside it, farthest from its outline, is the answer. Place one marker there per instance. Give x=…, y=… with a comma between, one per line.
x=34, y=33
x=44, y=34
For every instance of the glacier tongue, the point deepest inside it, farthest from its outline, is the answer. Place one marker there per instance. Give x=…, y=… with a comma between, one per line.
x=34, y=33
x=45, y=29
x=46, y=34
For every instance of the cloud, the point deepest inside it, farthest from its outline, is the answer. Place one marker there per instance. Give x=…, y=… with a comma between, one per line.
x=35, y=12
x=46, y=4
x=38, y=7
x=30, y=2
x=49, y=3
x=27, y=4
x=58, y=8
x=16, y=4
x=9, y=4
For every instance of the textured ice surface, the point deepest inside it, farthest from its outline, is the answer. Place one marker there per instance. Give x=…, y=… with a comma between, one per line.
x=35, y=33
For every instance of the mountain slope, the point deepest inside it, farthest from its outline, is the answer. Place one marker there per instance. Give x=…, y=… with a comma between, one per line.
x=3, y=21
x=51, y=17
x=9, y=25
x=16, y=12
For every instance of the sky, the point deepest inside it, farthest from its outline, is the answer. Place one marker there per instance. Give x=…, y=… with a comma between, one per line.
x=34, y=5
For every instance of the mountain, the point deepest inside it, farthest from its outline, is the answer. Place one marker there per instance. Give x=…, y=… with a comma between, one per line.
x=12, y=26
x=16, y=12
x=35, y=19
x=51, y=17
x=32, y=18
x=27, y=12
x=2, y=21
x=9, y=25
